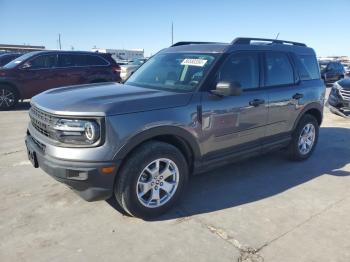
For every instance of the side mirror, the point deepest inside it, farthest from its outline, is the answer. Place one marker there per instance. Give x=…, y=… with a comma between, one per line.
x=227, y=89
x=26, y=65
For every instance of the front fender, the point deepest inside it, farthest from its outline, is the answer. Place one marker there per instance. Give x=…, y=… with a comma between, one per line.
x=153, y=132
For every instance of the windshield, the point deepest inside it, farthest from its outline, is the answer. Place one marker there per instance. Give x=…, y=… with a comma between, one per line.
x=18, y=60
x=179, y=72
x=323, y=66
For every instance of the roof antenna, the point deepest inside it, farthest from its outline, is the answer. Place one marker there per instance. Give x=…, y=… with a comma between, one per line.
x=278, y=34
x=172, y=33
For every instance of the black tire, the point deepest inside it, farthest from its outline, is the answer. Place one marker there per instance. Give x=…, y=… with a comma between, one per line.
x=8, y=97
x=125, y=189
x=293, y=150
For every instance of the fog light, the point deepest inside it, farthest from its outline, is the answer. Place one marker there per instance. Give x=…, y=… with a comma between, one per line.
x=76, y=174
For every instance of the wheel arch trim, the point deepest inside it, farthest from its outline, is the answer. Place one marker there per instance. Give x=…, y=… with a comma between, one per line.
x=154, y=132
x=312, y=106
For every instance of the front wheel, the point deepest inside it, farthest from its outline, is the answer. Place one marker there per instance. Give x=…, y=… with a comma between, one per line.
x=151, y=180
x=304, y=138
x=8, y=98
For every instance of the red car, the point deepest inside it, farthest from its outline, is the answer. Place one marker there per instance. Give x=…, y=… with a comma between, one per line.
x=35, y=72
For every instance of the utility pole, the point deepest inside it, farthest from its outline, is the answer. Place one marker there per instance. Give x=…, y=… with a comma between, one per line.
x=59, y=41
x=172, y=33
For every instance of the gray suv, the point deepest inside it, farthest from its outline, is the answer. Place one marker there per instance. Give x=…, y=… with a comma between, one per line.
x=190, y=108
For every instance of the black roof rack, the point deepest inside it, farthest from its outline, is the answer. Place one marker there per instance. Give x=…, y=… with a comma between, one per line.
x=193, y=43
x=247, y=41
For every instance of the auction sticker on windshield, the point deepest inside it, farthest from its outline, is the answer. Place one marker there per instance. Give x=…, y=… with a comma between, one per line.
x=194, y=62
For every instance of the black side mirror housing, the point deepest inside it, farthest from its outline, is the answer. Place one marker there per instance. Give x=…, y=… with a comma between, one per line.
x=227, y=89
x=25, y=66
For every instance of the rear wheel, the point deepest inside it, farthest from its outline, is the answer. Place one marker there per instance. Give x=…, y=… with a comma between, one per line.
x=8, y=97
x=152, y=180
x=304, y=138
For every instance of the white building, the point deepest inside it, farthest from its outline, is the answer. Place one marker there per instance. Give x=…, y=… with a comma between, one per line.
x=121, y=54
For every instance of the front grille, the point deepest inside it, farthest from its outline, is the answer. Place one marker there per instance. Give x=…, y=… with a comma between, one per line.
x=345, y=93
x=42, y=121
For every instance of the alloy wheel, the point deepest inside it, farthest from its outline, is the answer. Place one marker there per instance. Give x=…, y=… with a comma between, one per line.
x=306, y=139
x=7, y=98
x=157, y=183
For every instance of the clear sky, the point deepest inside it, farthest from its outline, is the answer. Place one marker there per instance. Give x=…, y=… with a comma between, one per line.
x=83, y=24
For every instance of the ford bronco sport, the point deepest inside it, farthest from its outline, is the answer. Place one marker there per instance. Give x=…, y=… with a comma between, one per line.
x=190, y=108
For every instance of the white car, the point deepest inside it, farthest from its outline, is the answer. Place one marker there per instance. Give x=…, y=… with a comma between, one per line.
x=129, y=69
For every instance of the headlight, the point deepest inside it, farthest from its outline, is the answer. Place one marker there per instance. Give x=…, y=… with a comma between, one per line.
x=77, y=132
x=335, y=89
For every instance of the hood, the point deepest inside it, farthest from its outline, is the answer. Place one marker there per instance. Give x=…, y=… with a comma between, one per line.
x=105, y=99
x=344, y=83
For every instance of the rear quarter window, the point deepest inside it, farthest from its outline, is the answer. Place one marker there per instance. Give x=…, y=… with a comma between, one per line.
x=94, y=60
x=308, y=67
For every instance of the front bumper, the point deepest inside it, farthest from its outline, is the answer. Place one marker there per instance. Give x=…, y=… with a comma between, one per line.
x=338, y=102
x=85, y=178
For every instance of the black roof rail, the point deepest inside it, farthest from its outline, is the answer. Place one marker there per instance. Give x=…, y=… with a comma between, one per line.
x=193, y=43
x=247, y=40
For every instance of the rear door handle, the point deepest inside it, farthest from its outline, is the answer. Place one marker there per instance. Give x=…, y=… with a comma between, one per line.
x=257, y=102
x=298, y=96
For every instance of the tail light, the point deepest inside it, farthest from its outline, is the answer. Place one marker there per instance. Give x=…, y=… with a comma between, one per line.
x=116, y=69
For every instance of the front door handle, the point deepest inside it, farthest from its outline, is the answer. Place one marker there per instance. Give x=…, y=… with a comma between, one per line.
x=298, y=96
x=257, y=102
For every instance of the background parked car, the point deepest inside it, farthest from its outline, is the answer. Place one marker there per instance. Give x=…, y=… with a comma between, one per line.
x=331, y=71
x=129, y=69
x=36, y=72
x=347, y=69
x=339, y=97
x=8, y=57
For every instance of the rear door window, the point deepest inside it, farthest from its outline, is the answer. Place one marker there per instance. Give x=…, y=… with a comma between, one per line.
x=66, y=60
x=307, y=67
x=80, y=60
x=278, y=69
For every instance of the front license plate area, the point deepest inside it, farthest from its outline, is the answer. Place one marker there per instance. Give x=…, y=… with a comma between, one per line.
x=32, y=157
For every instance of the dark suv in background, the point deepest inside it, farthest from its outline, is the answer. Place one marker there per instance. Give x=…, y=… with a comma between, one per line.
x=35, y=72
x=331, y=71
x=188, y=109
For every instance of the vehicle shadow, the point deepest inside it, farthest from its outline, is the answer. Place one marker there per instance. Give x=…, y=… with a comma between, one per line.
x=262, y=177
x=22, y=106
x=342, y=113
